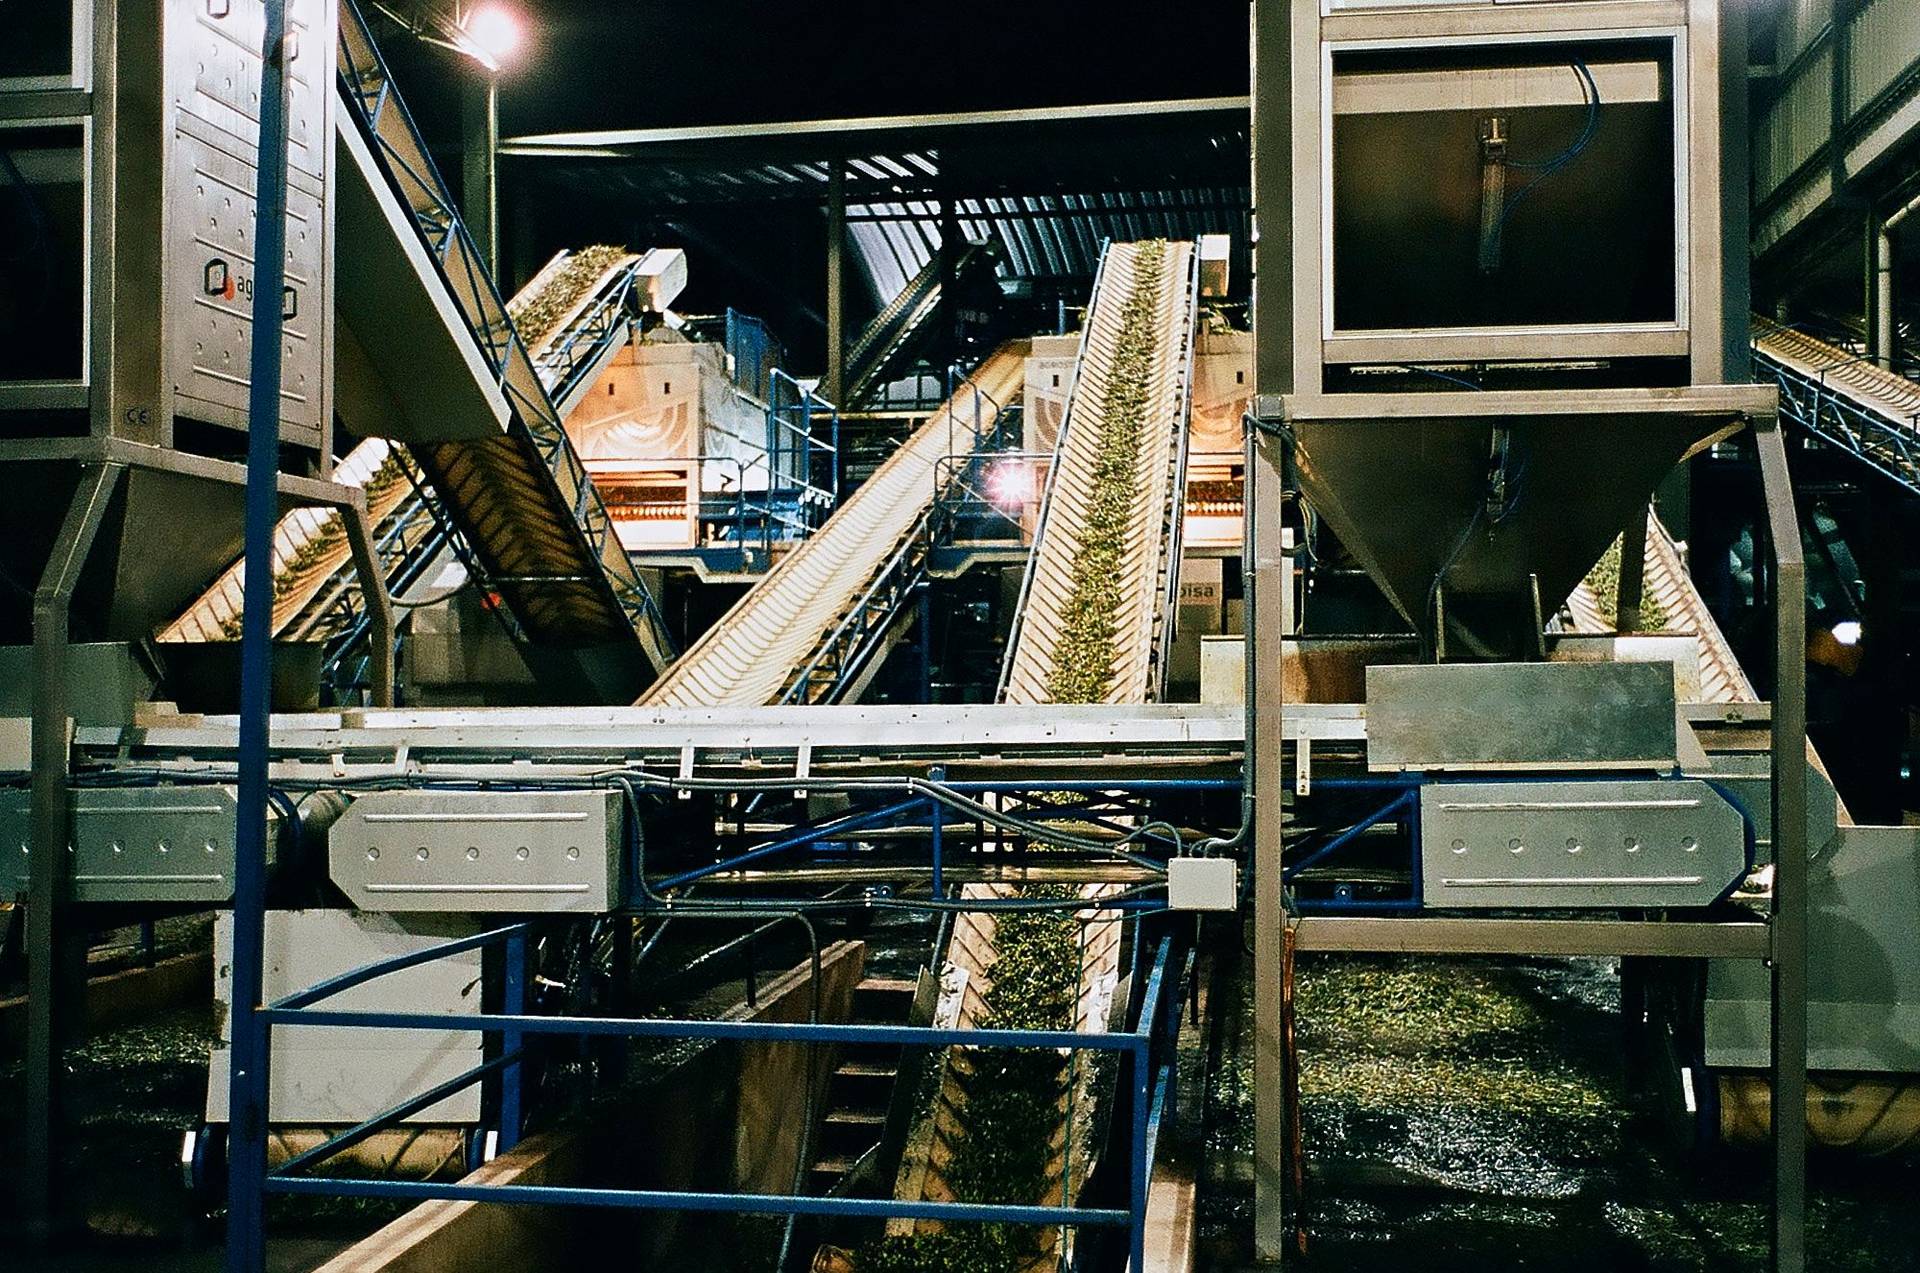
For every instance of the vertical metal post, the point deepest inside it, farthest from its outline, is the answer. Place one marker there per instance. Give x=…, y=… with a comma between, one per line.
x=513, y=1002
x=1789, y=935
x=480, y=184
x=937, y=811
x=247, y=1096
x=1633, y=572
x=1266, y=565
x=55, y=974
x=836, y=280
x=373, y=595
x=1142, y=1169
x=1880, y=315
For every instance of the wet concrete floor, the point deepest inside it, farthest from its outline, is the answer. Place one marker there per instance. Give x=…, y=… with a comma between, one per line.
x=1479, y=1114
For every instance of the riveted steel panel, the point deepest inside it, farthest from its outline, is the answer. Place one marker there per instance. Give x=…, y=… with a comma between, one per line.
x=1521, y=716
x=467, y=851
x=1579, y=843
x=142, y=844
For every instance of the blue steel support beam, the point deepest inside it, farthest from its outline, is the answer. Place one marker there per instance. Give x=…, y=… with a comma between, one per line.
x=247, y=1093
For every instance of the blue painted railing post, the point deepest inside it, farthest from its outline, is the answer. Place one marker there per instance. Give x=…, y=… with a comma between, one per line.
x=1142, y=1102
x=247, y=1089
x=513, y=1004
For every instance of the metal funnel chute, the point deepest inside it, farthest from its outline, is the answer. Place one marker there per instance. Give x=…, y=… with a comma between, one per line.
x=1471, y=505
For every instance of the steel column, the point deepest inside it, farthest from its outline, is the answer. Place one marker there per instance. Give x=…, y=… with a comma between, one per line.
x=1272, y=84
x=1633, y=572
x=480, y=184
x=247, y=1094
x=1790, y=850
x=54, y=973
x=836, y=280
x=375, y=603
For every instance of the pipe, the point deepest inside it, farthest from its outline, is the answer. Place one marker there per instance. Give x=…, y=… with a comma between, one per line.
x=1883, y=324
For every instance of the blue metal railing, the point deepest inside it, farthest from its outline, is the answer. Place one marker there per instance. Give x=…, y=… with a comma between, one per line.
x=1147, y=1045
x=799, y=460
x=404, y=157
x=859, y=635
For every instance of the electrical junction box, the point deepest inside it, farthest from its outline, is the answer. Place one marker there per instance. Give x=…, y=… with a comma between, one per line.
x=1203, y=884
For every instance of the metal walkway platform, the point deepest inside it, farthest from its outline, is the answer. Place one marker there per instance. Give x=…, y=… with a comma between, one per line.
x=817, y=619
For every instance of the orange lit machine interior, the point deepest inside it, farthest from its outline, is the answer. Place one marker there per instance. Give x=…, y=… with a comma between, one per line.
x=663, y=429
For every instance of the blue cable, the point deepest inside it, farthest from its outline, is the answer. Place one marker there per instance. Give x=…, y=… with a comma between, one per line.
x=1590, y=90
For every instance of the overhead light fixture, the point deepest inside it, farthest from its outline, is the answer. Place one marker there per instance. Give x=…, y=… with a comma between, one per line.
x=1847, y=632
x=490, y=34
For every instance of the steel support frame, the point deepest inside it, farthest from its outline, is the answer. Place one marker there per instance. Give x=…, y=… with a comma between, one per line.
x=375, y=604
x=1274, y=144
x=55, y=979
x=248, y=1085
x=1789, y=918
x=834, y=381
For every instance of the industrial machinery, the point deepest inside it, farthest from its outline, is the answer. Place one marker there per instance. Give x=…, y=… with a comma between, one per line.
x=1462, y=720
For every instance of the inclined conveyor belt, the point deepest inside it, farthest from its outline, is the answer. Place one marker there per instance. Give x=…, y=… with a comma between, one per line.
x=1870, y=387
x=1094, y=464
x=773, y=636
x=511, y=482
x=1843, y=399
x=1675, y=601
x=879, y=353
x=316, y=589
x=1122, y=448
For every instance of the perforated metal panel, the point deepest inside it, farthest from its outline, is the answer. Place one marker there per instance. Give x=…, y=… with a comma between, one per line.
x=212, y=59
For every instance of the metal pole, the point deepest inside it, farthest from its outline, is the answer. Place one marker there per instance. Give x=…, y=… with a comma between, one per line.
x=373, y=595
x=55, y=976
x=247, y=1095
x=926, y=640
x=1142, y=1169
x=1789, y=936
x=1880, y=318
x=1272, y=82
x=481, y=170
x=1883, y=320
x=513, y=1003
x=836, y=280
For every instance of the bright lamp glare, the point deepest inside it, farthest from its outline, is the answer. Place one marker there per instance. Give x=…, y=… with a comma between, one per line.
x=1847, y=632
x=1010, y=482
x=492, y=33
